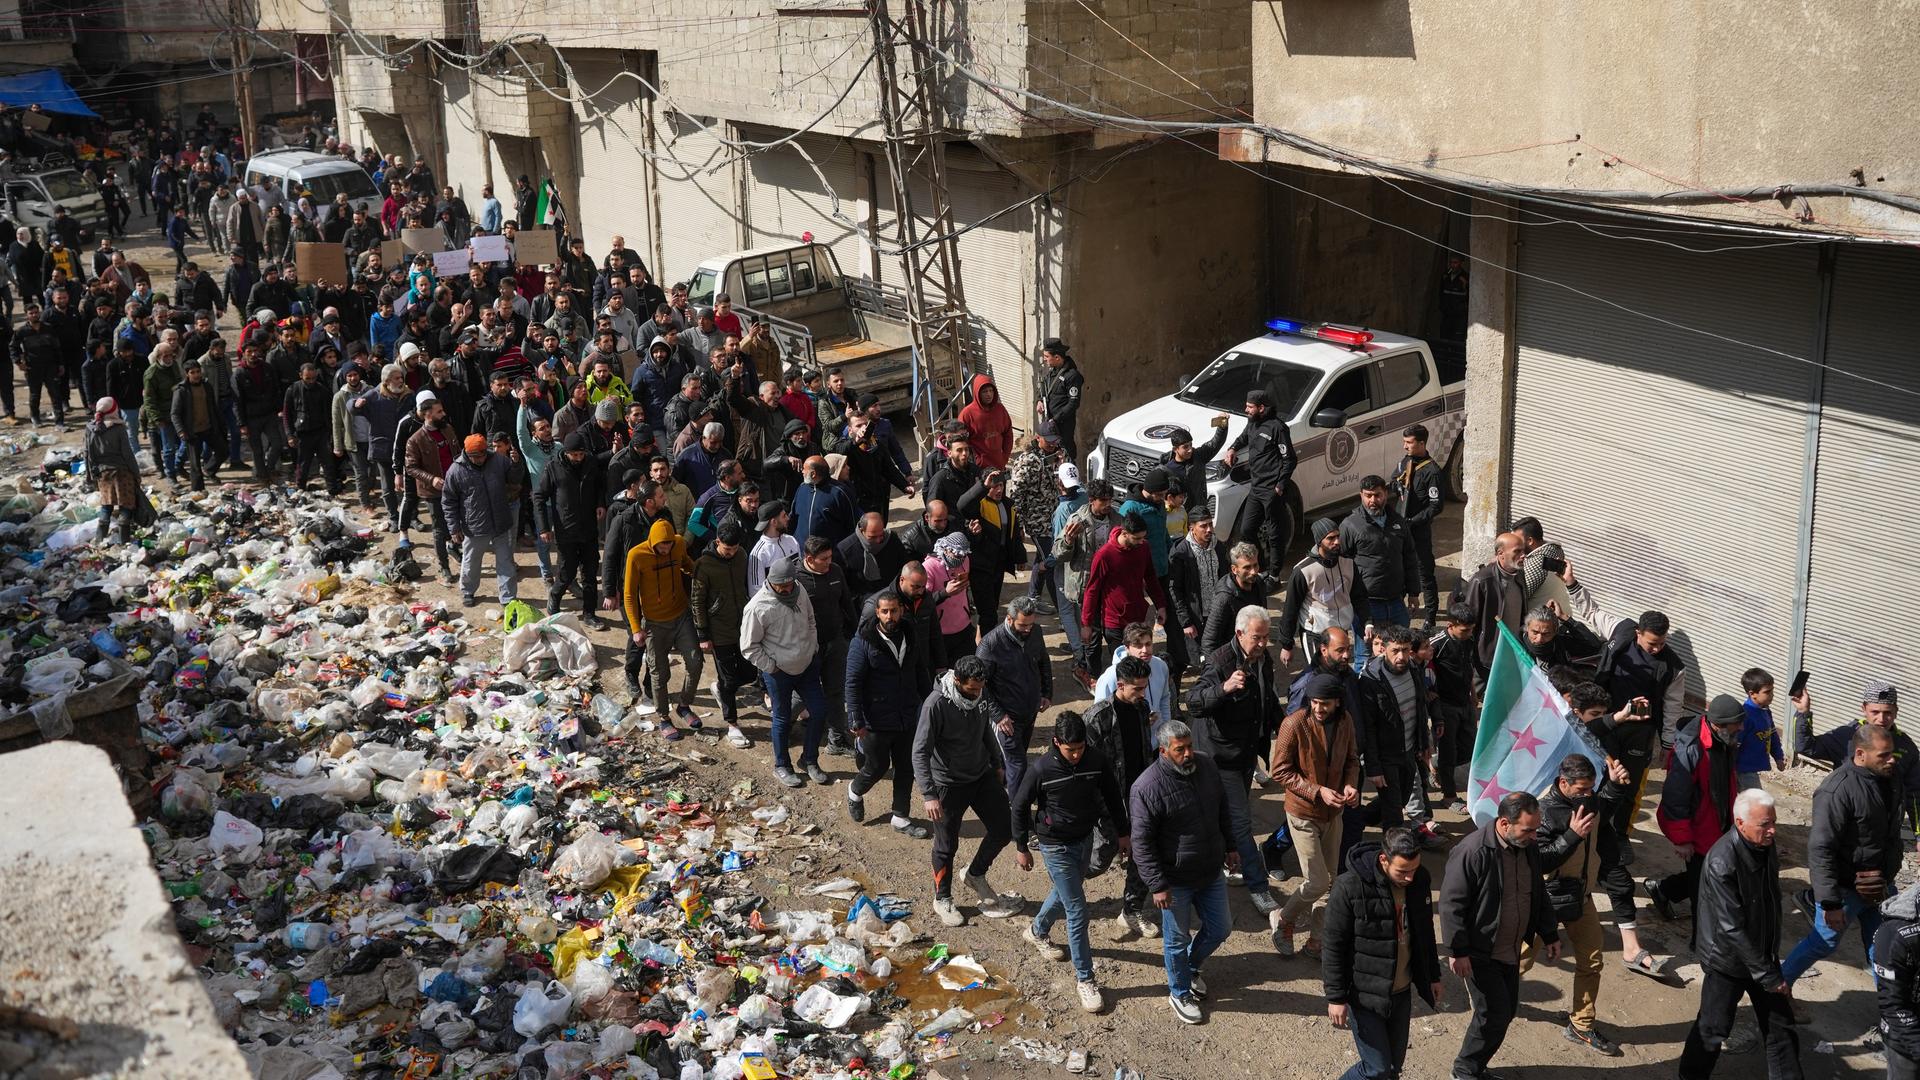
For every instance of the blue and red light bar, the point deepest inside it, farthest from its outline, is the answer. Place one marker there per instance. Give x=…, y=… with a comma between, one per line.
x=1351, y=337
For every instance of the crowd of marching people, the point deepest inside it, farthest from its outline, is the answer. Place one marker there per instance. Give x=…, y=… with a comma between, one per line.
x=678, y=479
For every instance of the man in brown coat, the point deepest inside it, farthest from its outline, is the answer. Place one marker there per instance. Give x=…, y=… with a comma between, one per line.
x=1315, y=762
x=429, y=452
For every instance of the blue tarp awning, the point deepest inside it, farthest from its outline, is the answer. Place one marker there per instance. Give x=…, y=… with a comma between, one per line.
x=46, y=88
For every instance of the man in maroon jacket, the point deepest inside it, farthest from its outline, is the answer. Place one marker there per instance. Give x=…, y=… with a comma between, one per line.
x=1118, y=581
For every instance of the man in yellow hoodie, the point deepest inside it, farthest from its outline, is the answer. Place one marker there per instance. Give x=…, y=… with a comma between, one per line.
x=660, y=619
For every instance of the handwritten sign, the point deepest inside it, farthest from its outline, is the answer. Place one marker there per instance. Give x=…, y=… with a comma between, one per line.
x=488, y=249
x=450, y=263
x=536, y=247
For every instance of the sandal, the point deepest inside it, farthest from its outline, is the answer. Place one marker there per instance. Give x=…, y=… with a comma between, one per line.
x=1645, y=964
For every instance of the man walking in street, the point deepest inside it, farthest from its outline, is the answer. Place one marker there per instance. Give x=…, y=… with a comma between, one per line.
x=780, y=636
x=475, y=503
x=886, y=683
x=1854, y=849
x=1696, y=803
x=1019, y=680
x=567, y=499
x=1077, y=536
x=1121, y=726
x=1316, y=762
x=1181, y=834
x=956, y=762
x=1119, y=580
x=1236, y=712
x=719, y=602
x=1194, y=569
x=1570, y=813
x=657, y=604
x=1380, y=543
x=1896, y=948
x=1420, y=490
x=836, y=613
x=1379, y=951
x=1397, y=737
x=1061, y=801
x=1737, y=937
x=1879, y=707
x=1323, y=593
x=1493, y=900
x=1268, y=445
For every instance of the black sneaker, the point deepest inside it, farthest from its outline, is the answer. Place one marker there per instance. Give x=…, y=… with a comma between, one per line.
x=1804, y=901
x=1592, y=1040
x=914, y=830
x=1660, y=902
x=856, y=807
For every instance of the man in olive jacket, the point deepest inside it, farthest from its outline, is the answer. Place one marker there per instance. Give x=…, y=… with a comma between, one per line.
x=1492, y=901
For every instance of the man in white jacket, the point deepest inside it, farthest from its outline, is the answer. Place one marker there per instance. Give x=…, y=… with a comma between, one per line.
x=779, y=636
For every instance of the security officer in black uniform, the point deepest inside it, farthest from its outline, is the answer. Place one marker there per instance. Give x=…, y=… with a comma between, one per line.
x=1270, y=461
x=1060, y=389
x=1420, y=489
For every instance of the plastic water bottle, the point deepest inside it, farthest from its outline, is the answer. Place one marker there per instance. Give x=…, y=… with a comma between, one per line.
x=307, y=936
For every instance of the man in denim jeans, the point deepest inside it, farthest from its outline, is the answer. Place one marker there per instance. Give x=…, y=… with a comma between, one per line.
x=1075, y=791
x=1181, y=835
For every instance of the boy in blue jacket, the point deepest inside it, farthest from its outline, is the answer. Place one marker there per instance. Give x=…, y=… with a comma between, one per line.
x=1760, y=747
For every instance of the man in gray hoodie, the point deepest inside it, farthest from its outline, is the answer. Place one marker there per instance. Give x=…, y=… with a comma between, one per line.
x=958, y=765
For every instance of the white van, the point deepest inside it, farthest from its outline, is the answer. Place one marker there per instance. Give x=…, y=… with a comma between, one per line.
x=318, y=177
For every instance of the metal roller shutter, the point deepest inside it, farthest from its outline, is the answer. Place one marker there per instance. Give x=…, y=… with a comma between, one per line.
x=614, y=179
x=785, y=198
x=1868, y=449
x=698, y=214
x=995, y=273
x=1669, y=464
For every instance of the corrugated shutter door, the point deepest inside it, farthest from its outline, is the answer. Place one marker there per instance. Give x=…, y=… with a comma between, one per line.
x=1669, y=464
x=785, y=198
x=697, y=211
x=1862, y=551
x=613, y=172
x=995, y=273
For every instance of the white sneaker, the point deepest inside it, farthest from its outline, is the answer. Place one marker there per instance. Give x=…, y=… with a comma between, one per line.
x=1263, y=902
x=949, y=915
x=1044, y=946
x=1091, y=999
x=990, y=903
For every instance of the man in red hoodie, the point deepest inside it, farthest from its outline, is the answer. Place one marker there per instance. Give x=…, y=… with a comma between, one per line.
x=1118, y=581
x=989, y=424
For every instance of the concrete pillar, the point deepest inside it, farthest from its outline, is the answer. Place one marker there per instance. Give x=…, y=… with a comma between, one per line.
x=1490, y=369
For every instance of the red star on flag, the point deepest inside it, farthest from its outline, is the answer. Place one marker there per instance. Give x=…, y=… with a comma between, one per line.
x=1526, y=740
x=1491, y=790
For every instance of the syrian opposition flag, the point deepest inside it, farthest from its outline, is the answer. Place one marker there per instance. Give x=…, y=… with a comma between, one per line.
x=1524, y=732
x=546, y=205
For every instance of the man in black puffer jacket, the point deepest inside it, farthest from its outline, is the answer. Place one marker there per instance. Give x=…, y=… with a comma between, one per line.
x=1181, y=832
x=1377, y=948
x=885, y=683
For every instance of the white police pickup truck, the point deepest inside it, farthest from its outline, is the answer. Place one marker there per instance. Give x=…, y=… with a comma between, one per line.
x=1347, y=394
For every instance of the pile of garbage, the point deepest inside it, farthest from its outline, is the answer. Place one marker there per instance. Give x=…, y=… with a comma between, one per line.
x=406, y=843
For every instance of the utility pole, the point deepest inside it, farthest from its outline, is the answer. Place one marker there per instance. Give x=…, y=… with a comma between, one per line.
x=923, y=213
x=243, y=73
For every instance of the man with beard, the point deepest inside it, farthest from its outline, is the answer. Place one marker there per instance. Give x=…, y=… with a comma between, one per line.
x=1396, y=736
x=1324, y=591
x=656, y=603
x=1182, y=832
x=887, y=680
x=780, y=636
x=872, y=556
x=1236, y=711
x=1268, y=445
x=1020, y=680
x=957, y=763
x=567, y=500
x=1195, y=566
x=719, y=600
x=1420, y=490
x=1243, y=585
x=936, y=523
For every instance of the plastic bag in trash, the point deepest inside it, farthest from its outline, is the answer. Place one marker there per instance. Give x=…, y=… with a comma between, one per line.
x=187, y=795
x=589, y=982
x=232, y=835
x=759, y=1011
x=587, y=861
x=566, y=1060
x=819, y=1005
x=558, y=638
x=540, y=1008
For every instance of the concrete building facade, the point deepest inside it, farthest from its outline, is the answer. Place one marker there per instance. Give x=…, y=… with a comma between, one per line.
x=1689, y=241
x=675, y=128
